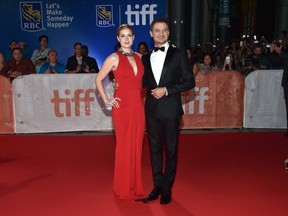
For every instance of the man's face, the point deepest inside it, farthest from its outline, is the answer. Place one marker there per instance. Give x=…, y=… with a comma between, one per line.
x=142, y=49
x=13, y=45
x=276, y=48
x=78, y=50
x=257, y=51
x=17, y=55
x=160, y=33
x=53, y=57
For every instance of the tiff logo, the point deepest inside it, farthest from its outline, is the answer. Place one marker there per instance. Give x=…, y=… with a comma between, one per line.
x=62, y=105
x=139, y=16
x=192, y=98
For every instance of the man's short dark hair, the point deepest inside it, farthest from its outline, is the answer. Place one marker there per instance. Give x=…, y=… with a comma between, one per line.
x=12, y=41
x=77, y=43
x=158, y=20
x=258, y=45
x=50, y=51
x=16, y=48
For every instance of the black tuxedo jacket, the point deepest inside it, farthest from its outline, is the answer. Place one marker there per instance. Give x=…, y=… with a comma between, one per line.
x=284, y=56
x=176, y=76
x=91, y=62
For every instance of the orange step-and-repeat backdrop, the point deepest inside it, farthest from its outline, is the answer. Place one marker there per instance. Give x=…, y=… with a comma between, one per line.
x=217, y=101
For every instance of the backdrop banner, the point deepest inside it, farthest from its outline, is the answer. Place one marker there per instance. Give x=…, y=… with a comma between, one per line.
x=93, y=23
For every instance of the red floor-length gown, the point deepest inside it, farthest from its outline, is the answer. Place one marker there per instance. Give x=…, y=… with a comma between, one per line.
x=129, y=125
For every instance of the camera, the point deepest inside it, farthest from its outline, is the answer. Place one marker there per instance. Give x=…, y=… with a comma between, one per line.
x=43, y=59
x=241, y=43
x=228, y=59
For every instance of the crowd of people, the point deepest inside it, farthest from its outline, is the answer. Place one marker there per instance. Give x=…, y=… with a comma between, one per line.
x=245, y=55
x=44, y=60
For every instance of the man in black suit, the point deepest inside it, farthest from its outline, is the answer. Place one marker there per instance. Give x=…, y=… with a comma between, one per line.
x=167, y=74
x=279, y=60
x=79, y=63
x=284, y=84
x=90, y=61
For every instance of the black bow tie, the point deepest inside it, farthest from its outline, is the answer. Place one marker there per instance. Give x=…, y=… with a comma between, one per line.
x=159, y=48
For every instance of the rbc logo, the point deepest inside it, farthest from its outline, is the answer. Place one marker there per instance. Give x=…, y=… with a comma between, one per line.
x=104, y=15
x=31, y=16
x=138, y=15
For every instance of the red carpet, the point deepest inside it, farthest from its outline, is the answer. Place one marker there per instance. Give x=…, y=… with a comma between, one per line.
x=219, y=174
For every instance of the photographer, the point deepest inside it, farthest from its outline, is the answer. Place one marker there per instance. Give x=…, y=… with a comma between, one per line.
x=276, y=55
x=258, y=61
x=228, y=62
x=279, y=60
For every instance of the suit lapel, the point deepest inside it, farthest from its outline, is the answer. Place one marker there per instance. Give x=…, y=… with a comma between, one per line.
x=167, y=61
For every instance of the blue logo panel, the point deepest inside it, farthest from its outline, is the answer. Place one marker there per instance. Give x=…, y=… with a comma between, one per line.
x=31, y=16
x=104, y=15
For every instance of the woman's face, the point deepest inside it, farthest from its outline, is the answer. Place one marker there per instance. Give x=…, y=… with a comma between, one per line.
x=43, y=42
x=125, y=38
x=207, y=60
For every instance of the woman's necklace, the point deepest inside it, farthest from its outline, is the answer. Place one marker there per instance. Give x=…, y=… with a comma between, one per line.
x=126, y=53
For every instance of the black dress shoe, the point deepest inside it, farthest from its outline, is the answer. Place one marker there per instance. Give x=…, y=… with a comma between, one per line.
x=154, y=194
x=165, y=198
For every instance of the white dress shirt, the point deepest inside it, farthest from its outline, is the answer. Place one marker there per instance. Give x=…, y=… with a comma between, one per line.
x=157, y=62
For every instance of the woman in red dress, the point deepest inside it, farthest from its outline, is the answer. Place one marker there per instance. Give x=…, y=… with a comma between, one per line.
x=127, y=114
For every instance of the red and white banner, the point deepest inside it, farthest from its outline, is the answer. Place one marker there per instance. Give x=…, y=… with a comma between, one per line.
x=215, y=102
x=56, y=103
x=51, y=103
